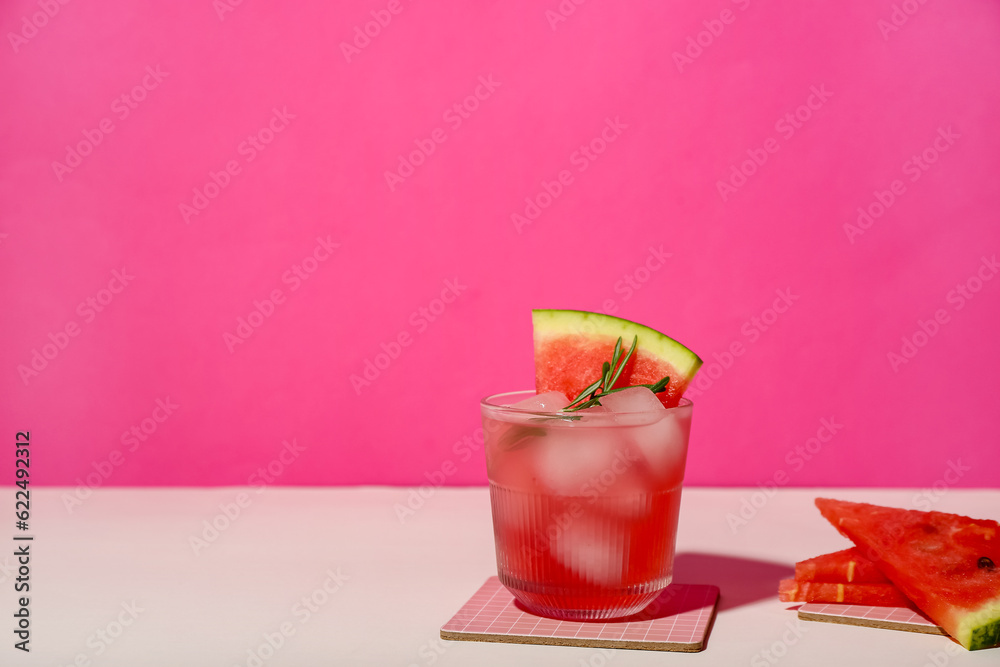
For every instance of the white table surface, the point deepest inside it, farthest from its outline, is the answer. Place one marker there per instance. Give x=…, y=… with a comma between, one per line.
x=403, y=580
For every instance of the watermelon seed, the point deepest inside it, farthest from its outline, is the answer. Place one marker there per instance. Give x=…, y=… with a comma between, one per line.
x=986, y=563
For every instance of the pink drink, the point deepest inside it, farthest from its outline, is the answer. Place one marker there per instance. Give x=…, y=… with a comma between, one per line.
x=585, y=509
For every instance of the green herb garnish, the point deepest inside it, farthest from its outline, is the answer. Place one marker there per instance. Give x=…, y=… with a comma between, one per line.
x=610, y=372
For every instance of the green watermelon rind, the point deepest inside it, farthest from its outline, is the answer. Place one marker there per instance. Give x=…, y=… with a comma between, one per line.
x=980, y=628
x=583, y=323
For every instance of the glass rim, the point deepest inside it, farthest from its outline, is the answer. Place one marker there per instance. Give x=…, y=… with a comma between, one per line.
x=487, y=404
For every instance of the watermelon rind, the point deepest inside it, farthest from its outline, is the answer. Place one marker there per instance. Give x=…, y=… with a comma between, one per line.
x=980, y=628
x=583, y=323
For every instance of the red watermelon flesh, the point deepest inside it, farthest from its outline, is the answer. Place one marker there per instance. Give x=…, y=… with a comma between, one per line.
x=841, y=567
x=948, y=565
x=571, y=346
x=875, y=595
x=568, y=368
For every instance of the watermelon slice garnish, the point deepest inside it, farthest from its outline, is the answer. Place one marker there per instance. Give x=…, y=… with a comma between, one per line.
x=571, y=346
x=948, y=565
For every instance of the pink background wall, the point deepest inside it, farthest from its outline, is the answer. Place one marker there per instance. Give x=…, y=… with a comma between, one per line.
x=199, y=84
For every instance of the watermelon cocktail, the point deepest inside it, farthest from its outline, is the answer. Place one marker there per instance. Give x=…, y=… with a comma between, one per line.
x=585, y=510
x=586, y=488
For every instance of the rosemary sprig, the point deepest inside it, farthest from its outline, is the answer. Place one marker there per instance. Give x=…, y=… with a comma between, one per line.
x=610, y=372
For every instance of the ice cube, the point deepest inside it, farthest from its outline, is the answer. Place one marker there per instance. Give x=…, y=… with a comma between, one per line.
x=592, y=548
x=633, y=399
x=569, y=459
x=660, y=434
x=550, y=401
x=664, y=445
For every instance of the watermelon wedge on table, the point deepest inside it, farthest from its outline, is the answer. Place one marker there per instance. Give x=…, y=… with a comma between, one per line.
x=571, y=345
x=874, y=595
x=948, y=565
x=842, y=577
x=844, y=567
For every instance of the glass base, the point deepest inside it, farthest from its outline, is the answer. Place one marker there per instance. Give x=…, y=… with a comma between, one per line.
x=579, y=605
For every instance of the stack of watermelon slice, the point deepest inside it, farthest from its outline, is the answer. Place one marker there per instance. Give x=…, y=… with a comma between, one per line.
x=844, y=577
x=946, y=565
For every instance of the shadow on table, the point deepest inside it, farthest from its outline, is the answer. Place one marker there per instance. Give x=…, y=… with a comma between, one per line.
x=740, y=580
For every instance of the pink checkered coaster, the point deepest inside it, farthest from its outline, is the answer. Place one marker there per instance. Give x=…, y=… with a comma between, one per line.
x=890, y=618
x=682, y=622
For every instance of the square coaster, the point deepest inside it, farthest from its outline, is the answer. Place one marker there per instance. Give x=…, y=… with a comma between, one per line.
x=681, y=622
x=890, y=618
